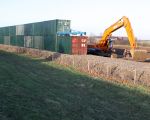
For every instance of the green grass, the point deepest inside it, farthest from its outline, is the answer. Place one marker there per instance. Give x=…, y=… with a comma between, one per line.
x=34, y=89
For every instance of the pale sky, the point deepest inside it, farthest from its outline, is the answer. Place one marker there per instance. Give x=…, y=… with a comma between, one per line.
x=91, y=16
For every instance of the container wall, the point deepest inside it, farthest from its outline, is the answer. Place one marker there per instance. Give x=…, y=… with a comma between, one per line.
x=13, y=40
x=54, y=26
x=49, y=27
x=50, y=43
x=46, y=28
x=1, y=31
x=7, y=40
x=12, y=30
x=38, y=29
x=28, y=41
x=6, y=31
x=1, y=39
x=79, y=45
x=63, y=25
x=38, y=42
x=20, y=30
x=29, y=29
x=20, y=40
x=64, y=44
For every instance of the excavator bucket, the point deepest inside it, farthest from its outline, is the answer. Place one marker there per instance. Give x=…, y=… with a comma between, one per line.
x=140, y=55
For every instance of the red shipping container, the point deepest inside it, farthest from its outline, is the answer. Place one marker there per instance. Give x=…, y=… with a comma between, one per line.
x=79, y=45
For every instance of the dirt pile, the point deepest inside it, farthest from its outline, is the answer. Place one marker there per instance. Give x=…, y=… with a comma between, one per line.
x=115, y=69
x=112, y=68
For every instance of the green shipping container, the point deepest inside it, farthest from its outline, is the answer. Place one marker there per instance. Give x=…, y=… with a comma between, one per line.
x=20, y=40
x=38, y=29
x=7, y=40
x=50, y=43
x=28, y=41
x=17, y=40
x=1, y=39
x=13, y=40
x=40, y=35
x=49, y=27
x=63, y=25
x=29, y=29
x=64, y=44
x=1, y=31
x=6, y=31
x=12, y=30
x=54, y=26
x=20, y=30
x=38, y=42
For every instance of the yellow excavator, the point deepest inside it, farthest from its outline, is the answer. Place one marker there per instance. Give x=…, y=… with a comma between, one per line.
x=104, y=46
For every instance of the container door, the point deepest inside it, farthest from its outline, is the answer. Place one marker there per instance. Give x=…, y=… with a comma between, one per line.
x=20, y=40
x=38, y=42
x=79, y=45
x=20, y=30
x=50, y=43
x=7, y=40
x=28, y=41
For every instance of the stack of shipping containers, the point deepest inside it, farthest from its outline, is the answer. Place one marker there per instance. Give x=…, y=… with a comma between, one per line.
x=43, y=35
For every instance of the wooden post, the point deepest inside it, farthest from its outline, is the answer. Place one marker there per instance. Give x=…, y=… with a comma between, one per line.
x=73, y=62
x=88, y=66
x=135, y=76
x=107, y=67
x=52, y=57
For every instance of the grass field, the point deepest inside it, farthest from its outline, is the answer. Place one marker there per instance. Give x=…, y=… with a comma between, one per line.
x=34, y=89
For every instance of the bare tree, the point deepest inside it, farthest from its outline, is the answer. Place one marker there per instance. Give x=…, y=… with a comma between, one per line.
x=92, y=38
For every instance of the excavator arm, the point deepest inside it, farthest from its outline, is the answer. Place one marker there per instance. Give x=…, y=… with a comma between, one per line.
x=123, y=22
